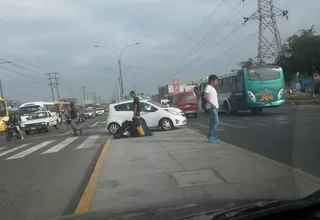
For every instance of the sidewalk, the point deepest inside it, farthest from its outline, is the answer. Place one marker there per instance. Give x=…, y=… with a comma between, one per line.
x=181, y=166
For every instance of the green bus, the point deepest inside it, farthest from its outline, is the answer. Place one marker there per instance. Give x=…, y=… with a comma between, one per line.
x=253, y=89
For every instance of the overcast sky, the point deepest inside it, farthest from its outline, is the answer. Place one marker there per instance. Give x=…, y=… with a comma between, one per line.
x=178, y=38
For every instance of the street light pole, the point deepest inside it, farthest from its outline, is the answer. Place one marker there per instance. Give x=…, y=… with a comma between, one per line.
x=1, y=90
x=118, y=55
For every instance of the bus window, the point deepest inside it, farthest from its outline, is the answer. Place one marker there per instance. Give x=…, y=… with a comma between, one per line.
x=3, y=109
x=24, y=111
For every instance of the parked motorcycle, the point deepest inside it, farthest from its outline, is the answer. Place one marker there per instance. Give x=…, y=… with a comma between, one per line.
x=12, y=131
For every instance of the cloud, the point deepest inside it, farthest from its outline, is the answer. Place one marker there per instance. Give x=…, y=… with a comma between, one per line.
x=181, y=38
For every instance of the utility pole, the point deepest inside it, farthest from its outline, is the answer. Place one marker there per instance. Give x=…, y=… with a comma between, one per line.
x=94, y=98
x=84, y=95
x=269, y=44
x=56, y=84
x=51, y=84
x=116, y=91
x=1, y=91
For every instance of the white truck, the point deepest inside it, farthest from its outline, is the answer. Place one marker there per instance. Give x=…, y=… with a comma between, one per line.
x=40, y=121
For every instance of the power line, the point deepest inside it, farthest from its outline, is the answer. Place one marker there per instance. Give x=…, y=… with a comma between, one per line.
x=23, y=60
x=205, y=38
x=222, y=39
x=203, y=24
x=23, y=75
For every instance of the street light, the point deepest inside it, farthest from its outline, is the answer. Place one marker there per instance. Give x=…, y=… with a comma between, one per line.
x=1, y=91
x=118, y=55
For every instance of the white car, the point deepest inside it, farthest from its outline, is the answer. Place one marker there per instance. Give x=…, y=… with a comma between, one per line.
x=42, y=120
x=155, y=114
x=99, y=111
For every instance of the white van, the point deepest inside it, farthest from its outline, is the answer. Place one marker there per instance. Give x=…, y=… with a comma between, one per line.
x=31, y=107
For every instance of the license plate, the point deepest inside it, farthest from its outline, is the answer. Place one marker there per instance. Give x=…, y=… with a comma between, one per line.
x=187, y=106
x=268, y=104
x=33, y=129
x=267, y=97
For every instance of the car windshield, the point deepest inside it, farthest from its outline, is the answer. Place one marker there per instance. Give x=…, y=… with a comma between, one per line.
x=24, y=111
x=263, y=73
x=38, y=115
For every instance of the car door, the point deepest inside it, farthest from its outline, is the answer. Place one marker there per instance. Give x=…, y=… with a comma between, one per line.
x=150, y=114
x=50, y=119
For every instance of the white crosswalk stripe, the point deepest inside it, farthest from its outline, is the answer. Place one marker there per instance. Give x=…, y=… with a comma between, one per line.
x=49, y=146
x=206, y=126
x=232, y=125
x=30, y=150
x=13, y=149
x=60, y=146
x=88, y=142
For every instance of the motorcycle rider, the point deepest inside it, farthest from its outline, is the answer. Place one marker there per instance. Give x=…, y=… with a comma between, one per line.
x=74, y=116
x=16, y=121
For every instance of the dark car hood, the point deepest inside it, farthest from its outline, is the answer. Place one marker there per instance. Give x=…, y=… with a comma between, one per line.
x=190, y=210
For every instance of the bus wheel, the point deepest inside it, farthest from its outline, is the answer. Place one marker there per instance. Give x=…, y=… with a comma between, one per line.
x=227, y=108
x=256, y=111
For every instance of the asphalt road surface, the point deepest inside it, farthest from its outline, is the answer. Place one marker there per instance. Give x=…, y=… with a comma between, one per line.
x=290, y=135
x=43, y=175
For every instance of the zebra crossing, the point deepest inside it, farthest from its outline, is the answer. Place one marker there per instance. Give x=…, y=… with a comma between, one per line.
x=240, y=122
x=47, y=147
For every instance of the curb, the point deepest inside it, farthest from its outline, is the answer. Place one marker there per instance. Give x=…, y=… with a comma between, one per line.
x=85, y=202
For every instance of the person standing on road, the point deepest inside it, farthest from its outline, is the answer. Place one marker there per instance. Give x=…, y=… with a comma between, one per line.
x=212, y=106
x=74, y=116
x=63, y=120
x=136, y=104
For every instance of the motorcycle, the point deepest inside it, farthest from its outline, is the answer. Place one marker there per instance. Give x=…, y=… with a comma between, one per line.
x=12, y=131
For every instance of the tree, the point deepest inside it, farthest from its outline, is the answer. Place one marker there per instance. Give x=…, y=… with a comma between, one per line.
x=247, y=63
x=300, y=53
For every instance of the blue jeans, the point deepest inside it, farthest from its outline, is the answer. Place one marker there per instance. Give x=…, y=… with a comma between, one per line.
x=214, y=121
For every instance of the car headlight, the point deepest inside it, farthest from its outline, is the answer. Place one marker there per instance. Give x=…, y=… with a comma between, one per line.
x=252, y=96
x=173, y=112
x=280, y=93
x=43, y=123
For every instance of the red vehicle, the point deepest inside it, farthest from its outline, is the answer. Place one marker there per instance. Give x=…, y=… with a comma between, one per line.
x=187, y=102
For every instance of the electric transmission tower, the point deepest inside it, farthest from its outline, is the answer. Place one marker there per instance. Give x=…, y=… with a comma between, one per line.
x=269, y=44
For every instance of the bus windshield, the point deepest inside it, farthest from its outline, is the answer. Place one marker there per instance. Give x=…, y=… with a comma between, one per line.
x=263, y=73
x=29, y=109
x=3, y=110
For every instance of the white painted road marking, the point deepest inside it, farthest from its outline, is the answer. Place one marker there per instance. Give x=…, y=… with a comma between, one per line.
x=1, y=148
x=61, y=145
x=95, y=124
x=272, y=120
x=251, y=123
x=88, y=142
x=13, y=149
x=30, y=150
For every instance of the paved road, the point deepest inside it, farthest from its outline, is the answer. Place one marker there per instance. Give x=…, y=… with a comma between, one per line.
x=43, y=175
x=290, y=135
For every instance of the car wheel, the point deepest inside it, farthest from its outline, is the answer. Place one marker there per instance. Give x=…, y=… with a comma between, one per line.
x=113, y=128
x=47, y=129
x=166, y=124
x=56, y=126
x=195, y=115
